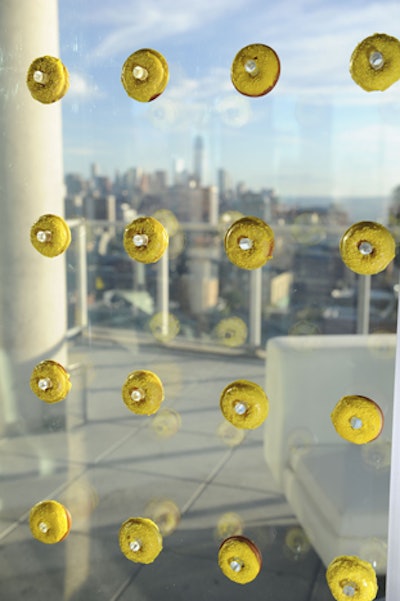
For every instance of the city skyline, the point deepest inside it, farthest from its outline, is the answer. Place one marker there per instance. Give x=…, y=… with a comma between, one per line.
x=316, y=133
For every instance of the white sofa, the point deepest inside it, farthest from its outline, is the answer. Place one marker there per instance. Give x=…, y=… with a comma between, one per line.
x=338, y=491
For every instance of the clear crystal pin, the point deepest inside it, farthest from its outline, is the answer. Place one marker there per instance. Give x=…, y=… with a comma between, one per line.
x=140, y=73
x=135, y=546
x=43, y=236
x=236, y=565
x=240, y=408
x=376, y=60
x=245, y=243
x=43, y=527
x=365, y=247
x=44, y=383
x=140, y=240
x=136, y=395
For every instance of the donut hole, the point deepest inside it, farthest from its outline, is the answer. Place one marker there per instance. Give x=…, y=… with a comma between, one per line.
x=240, y=407
x=236, y=564
x=140, y=240
x=137, y=395
x=376, y=60
x=349, y=588
x=356, y=422
x=366, y=248
x=245, y=243
x=40, y=77
x=140, y=73
x=135, y=545
x=250, y=66
x=44, y=236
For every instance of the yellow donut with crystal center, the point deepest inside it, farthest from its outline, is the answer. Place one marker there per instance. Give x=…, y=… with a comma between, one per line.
x=50, y=381
x=350, y=577
x=357, y=419
x=375, y=62
x=249, y=243
x=50, y=522
x=145, y=240
x=239, y=559
x=244, y=404
x=143, y=392
x=367, y=248
x=47, y=79
x=255, y=70
x=145, y=75
x=50, y=235
x=140, y=540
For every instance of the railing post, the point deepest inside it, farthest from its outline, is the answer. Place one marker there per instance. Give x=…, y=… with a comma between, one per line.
x=163, y=291
x=363, y=303
x=255, y=304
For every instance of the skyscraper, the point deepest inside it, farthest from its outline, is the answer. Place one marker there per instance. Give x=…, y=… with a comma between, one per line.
x=198, y=159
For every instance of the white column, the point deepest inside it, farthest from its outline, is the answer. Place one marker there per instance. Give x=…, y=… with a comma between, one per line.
x=33, y=287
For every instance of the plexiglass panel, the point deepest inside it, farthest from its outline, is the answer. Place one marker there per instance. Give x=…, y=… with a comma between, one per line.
x=205, y=426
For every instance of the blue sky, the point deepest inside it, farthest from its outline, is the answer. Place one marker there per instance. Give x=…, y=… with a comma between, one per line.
x=316, y=133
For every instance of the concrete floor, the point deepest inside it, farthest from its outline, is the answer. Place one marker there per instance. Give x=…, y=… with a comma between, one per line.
x=107, y=464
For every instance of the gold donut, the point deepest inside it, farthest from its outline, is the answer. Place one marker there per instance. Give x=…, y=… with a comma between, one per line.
x=351, y=577
x=143, y=392
x=367, y=247
x=357, y=419
x=140, y=540
x=255, y=70
x=47, y=79
x=145, y=75
x=50, y=522
x=239, y=559
x=50, y=235
x=375, y=62
x=145, y=240
x=249, y=243
x=244, y=404
x=50, y=381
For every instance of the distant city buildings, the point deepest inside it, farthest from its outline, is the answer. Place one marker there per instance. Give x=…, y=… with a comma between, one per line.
x=306, y=280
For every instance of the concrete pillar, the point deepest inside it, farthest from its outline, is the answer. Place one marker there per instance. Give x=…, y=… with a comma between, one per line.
x=32, y=287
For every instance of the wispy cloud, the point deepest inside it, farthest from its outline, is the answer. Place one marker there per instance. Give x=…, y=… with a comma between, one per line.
x=82, y=88
x=141, y=20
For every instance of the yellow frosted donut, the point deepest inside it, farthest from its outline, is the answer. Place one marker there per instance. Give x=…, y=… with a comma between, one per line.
x=47, y=79
x=50, y=522
x=50, y=235
x=375, y=62
x=50, y=381
x=255, y=70
x=239, y=559
x=143, y=392
x=249, y=243
x=367, y=247
x=357, y=419
x=350, y=577
x=145, y=240
x=145, y=75
x=244, y=404
x=140, y=540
